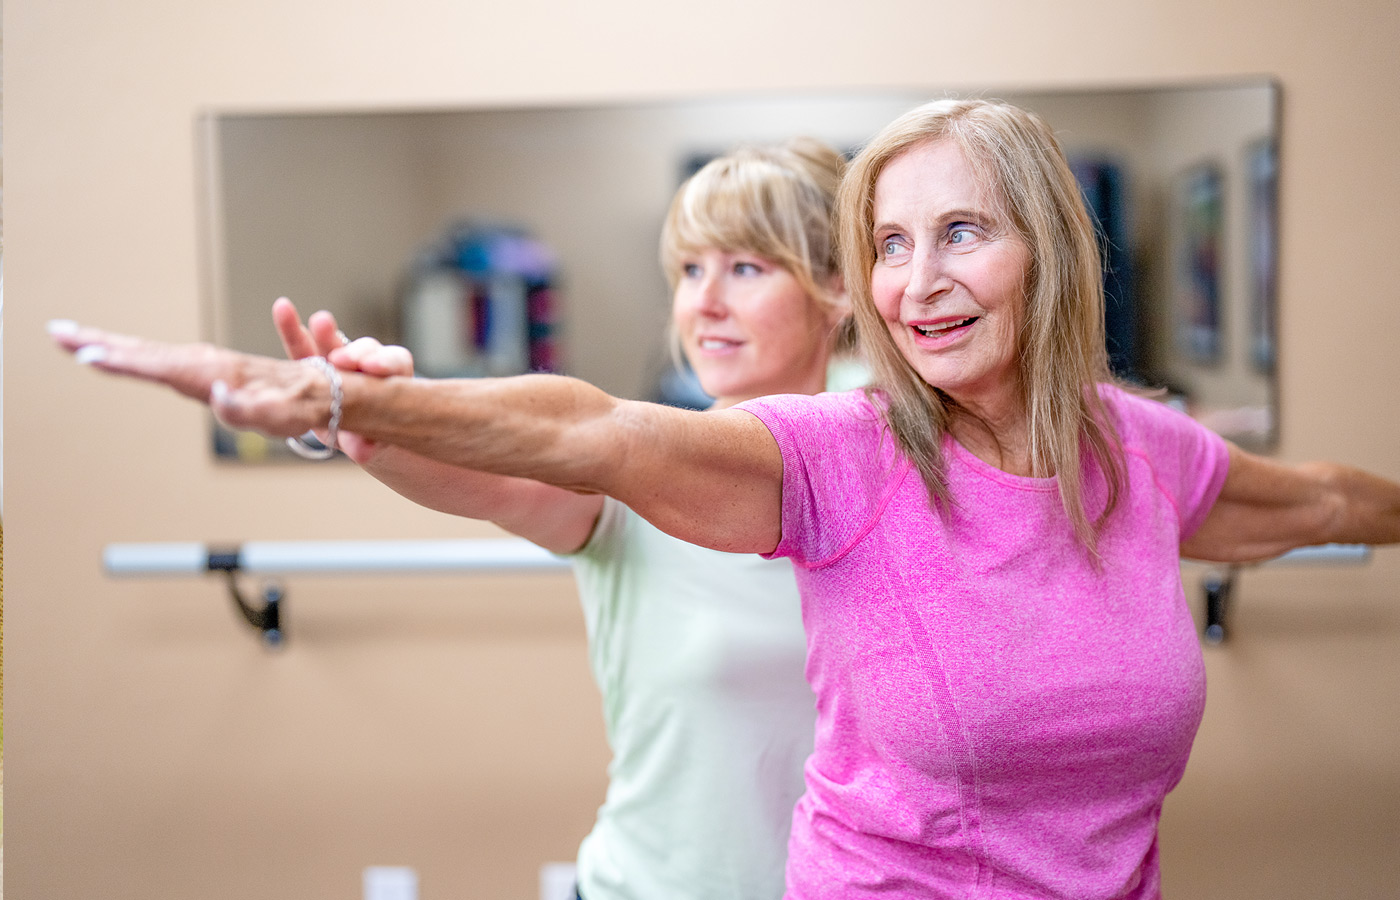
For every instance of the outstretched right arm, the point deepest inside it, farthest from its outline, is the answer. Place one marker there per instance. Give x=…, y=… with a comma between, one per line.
x=713, y=479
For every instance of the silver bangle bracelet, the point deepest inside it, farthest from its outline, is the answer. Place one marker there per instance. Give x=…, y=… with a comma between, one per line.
x=327, y=449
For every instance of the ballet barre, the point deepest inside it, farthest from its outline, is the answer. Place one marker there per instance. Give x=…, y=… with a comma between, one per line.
x=492, y=555
x=481, y=556
x=331, y=557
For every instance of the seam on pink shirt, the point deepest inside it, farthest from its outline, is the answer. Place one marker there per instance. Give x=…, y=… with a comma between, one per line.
x=894, y=483
x=950, y=721
x=1156, y=481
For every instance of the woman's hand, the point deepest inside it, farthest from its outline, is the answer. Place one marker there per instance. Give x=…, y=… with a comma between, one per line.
x=276, y=397
x=321, y=336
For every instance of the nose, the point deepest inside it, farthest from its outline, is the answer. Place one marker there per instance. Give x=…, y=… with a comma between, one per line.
x=928, y=277
x=709, y=296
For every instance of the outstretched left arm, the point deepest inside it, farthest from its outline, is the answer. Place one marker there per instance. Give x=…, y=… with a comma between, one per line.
x=1267, y=508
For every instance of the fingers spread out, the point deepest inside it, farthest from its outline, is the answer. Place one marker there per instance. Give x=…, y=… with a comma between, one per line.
x=188, y=368
x=326, y=332
x=321, y=336
x=73, y=337
x=296, y=339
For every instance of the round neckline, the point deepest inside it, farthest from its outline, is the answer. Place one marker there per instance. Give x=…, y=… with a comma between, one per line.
x=987, y=470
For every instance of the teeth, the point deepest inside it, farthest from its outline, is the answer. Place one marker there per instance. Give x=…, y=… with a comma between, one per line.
x=715, y=343
x=946, y=326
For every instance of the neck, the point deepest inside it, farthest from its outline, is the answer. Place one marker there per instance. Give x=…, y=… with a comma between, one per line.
x=999, y=435
x=735, y=399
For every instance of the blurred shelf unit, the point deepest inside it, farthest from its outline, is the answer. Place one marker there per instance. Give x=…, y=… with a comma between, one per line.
x=482, y=302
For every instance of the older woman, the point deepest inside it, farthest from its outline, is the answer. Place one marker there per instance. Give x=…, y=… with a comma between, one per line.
x=987, y=542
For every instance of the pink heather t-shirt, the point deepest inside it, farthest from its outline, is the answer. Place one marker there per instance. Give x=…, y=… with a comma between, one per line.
x=996, y=717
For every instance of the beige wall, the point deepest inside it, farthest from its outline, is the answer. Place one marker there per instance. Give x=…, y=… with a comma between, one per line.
x=449, y=724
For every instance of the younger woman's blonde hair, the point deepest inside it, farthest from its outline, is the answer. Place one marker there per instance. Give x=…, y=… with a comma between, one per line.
x=775, y=201
x=1061, y=353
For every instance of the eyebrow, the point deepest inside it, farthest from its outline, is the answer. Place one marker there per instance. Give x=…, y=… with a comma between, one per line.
x=952, y=215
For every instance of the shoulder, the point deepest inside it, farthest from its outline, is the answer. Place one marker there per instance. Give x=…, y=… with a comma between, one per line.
x=824, y=429
x=1130, y=405
x=1143, y=421
x=844, y=410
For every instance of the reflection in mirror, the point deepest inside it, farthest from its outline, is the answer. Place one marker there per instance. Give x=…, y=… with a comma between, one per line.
x=499, y=240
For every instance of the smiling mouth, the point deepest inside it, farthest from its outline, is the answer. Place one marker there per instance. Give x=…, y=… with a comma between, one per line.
x=716, y=344
x=944, y=327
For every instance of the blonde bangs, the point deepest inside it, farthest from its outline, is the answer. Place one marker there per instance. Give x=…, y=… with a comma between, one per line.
x=773, y=202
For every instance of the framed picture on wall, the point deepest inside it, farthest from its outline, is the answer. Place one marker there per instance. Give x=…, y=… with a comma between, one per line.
x=1199, y=250
x=1261, y=166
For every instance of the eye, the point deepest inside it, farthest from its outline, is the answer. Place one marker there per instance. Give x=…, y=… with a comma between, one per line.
x=747, y=268
x=962, y=233
x=690, y=270
x=890, y=246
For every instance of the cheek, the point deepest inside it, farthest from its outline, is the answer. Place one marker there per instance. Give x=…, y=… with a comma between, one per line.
x=784, y=313
x=786, y=332
x=1012, y=279
x=886, y=289
x=681, y=309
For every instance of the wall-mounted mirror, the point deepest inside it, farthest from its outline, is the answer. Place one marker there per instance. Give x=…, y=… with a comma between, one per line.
x=547, y=221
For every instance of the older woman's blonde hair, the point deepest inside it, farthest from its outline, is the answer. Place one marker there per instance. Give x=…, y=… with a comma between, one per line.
x=774, y=201
x=1061, y=352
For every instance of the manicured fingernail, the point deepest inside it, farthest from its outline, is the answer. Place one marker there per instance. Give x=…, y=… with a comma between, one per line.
x=59, y=327
x=92, y=353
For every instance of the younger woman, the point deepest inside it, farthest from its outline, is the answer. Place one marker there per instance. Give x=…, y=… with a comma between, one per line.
x=698, y=654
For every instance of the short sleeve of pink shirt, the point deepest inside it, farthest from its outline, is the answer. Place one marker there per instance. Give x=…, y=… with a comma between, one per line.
x=1189, y=461
x=838, y=472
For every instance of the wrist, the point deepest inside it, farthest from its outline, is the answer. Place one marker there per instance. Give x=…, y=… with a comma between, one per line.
x=299, y=445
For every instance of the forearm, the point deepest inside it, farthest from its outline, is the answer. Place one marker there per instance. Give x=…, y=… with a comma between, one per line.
x=1267, y=508
x=557, y=430
x=436, y=485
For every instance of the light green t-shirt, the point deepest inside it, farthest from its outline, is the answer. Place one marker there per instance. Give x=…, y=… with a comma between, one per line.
x=699, y=656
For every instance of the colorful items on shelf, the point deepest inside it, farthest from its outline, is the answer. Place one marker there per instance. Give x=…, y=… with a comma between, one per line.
x=482, y=302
